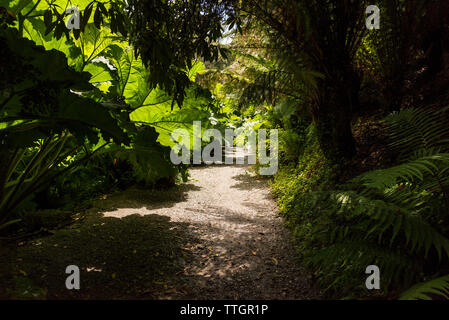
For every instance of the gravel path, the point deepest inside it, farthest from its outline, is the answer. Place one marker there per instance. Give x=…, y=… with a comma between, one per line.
x=244, y=250
x=219, y=236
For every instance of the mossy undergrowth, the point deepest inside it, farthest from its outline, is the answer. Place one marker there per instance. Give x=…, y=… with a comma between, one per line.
x=291, y=187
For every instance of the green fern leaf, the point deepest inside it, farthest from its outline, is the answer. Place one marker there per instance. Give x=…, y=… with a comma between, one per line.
x=422, y=291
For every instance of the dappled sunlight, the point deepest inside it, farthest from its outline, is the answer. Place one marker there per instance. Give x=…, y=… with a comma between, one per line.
x=199, y=240
x=124, y=212
x=226, y=149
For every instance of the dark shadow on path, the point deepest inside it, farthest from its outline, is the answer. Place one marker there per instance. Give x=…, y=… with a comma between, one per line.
x=248, y=182
x=132, y=257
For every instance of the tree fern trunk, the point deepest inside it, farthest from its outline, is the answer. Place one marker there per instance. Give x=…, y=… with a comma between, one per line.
x=335, y=137
x=339, y=101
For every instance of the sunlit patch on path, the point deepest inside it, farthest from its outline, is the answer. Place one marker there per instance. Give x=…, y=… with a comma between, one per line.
x=219, y=236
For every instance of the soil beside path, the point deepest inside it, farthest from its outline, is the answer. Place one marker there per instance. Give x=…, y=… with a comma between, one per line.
x=219, y=236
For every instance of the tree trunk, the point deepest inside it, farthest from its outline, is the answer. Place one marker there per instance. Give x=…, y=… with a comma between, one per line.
x=335, y=137
x=339, y=101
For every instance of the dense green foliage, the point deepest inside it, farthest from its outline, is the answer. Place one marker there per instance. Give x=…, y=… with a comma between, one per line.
x=393, y=217
x=357, y=185
x=78, y=109
x=362, y=118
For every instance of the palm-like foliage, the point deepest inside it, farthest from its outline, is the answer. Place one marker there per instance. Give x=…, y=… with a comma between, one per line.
x=315, y=42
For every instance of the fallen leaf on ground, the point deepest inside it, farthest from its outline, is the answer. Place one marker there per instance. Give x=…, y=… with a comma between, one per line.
x=173, y=290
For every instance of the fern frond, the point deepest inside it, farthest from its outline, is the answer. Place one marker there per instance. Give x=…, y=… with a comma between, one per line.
x=386, y=216
x=347, y=261
x=412, y=171
x=421, y=291
x=413, y=129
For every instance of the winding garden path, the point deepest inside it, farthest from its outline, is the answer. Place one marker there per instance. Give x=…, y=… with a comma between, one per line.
x=219, y=236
